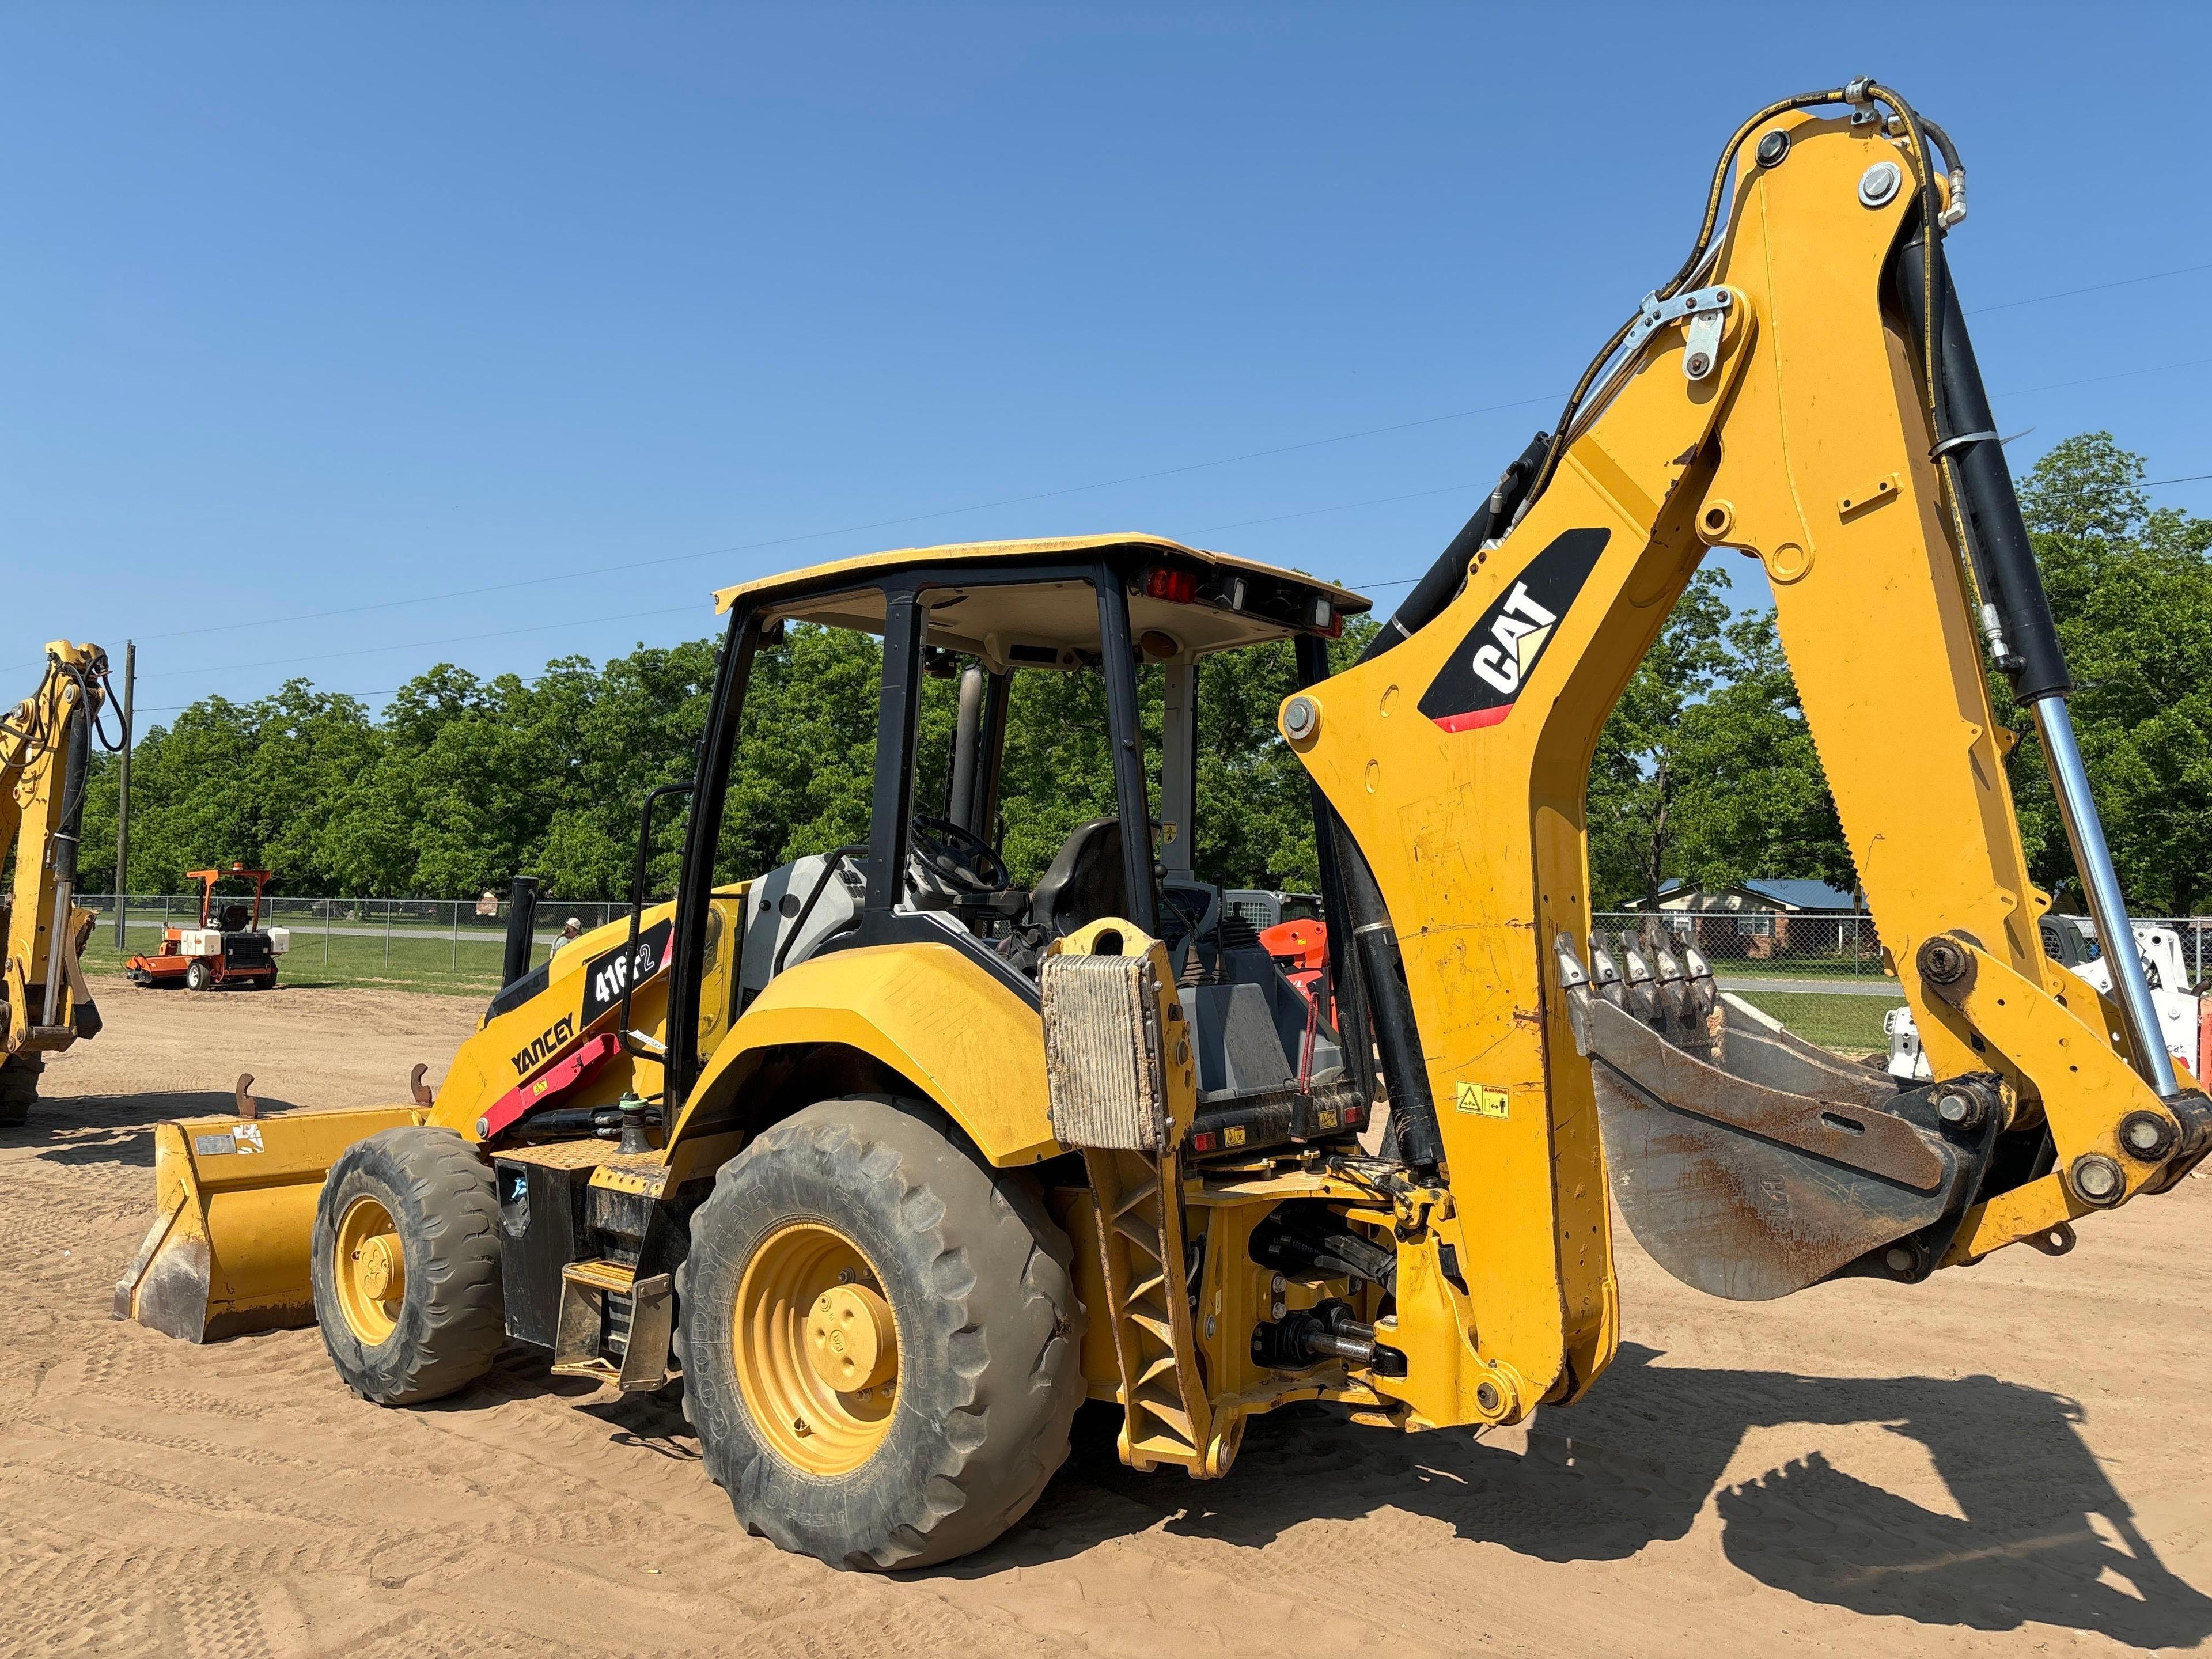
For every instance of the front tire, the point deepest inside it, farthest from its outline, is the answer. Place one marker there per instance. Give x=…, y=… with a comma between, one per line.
x=880, y=1338
x=19, y=1087
x=406, y=1266
x=199, y=976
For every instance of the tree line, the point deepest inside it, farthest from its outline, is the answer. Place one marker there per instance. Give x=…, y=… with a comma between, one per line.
x=1705, y=773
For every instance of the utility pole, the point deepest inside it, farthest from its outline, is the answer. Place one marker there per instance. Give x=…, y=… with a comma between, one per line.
x=122, y=801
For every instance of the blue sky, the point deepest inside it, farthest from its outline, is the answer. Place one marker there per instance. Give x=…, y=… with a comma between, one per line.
x=308, y=309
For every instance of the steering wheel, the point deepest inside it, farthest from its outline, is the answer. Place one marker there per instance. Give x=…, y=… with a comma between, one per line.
x=958, y=857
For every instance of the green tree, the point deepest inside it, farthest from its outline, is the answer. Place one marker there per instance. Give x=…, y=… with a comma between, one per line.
x=1760, y=806
x=1639, y=775
x=2131, y=588
x=258, y=782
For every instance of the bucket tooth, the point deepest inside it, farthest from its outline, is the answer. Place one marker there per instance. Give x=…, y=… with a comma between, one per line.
x=1750, y=1164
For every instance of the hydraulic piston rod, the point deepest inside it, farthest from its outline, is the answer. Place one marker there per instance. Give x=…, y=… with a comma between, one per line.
x=2084, y=834
x=2017, y=620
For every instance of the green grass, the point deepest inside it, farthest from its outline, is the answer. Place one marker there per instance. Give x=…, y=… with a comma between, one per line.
x=1850, y=1025
x=1797, y=968
x=424, y=961
x=421, y=963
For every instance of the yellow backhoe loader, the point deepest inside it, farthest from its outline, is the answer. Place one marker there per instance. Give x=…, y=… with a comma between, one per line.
x=45, y=749
x=895, y=1160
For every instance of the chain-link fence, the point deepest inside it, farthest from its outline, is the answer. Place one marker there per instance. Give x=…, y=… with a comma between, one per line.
x=1768, y=944
x=1786, y=947
x=462, y=940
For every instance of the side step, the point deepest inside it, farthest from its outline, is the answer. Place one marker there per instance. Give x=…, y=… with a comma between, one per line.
x=1166, y=1416
x=614, y=1327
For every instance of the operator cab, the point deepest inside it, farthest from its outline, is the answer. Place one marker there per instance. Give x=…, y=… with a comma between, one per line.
x=1077, y=647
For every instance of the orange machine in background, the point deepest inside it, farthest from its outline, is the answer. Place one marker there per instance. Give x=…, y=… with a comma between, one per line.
x=228, y=947
x=1300, y=949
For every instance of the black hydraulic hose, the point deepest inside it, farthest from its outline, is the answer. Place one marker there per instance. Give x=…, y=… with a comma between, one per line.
x=2024, y=637
x=623, y=1033
x=1344, y=990
x=1391, y=1004
x=522, y=923
x=77, y=754
x=1444, y=579
x=1380, y=974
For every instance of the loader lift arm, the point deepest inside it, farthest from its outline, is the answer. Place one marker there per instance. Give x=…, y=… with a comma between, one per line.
x=45, y=744
x=1803, y=391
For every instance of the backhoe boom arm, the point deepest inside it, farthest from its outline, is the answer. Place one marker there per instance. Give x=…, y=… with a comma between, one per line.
x=45, y=757
x=1776, y=399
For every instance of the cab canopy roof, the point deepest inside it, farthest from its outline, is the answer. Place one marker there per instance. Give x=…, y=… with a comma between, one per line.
x=1019, y=604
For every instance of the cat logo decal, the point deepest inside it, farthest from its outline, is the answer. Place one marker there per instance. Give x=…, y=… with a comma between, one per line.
x=1479, y=683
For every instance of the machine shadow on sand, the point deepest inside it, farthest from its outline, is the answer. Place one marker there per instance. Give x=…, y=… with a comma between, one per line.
x=2047, y=1538
x=116, y=1129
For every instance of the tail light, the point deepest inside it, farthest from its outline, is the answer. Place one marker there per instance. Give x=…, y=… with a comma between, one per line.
x=1175, y=586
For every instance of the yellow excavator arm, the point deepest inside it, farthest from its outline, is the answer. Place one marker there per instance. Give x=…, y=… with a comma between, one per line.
x=1804, y=392
x=45, y=758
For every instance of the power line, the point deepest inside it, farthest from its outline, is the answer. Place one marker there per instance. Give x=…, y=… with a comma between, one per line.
x=413, y=644
x=2147, y=483
x=1014, y=501
x=853, y=529
x=1344, y=507
x=1340, y=507
x=2094, y=288
x=2093, y=379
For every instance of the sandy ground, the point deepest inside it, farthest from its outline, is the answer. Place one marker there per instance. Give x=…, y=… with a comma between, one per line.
x=1999, y=1461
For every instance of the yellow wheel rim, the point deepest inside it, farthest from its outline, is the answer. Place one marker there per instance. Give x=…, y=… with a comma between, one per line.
x=817, y=1349
x=370, y=1270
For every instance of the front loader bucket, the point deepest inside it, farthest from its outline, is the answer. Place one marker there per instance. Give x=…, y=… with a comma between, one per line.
x=235, y=1202
x=1750, y=1164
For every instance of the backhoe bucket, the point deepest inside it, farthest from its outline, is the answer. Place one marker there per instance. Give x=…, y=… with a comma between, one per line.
x=235, y=1198
x=1750, y=1164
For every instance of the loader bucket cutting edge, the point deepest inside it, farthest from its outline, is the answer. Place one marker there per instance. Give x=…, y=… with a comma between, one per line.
x=229, y=1251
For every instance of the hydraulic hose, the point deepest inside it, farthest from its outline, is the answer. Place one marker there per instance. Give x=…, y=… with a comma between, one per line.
x=1440, y=583
x=77, y=745
x=522, y=923
x=2015, y=614
x=1390, y=1006
x=1379, y=977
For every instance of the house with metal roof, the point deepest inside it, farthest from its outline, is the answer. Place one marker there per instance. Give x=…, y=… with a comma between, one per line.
x=1783, y=896
x=1770, y=919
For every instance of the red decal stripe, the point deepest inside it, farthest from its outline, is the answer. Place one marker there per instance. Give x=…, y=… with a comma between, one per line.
x=571, y=1070
x=1472, y=723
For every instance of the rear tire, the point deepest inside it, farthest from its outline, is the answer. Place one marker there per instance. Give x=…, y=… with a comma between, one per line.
x=19, y=1087
x=987, y=1368
x=406, y=1266
x=199, y=976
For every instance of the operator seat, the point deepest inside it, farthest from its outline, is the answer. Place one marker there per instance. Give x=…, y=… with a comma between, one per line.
x=233, y=918
x=1083, y=882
